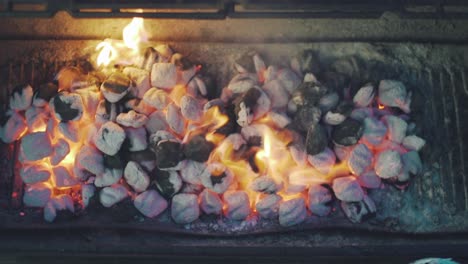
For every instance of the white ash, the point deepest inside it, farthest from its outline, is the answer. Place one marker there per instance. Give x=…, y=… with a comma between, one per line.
x=359, y=159
x=91, y=98
x=174, y=119
x=37, y=195
x=374, y=131
x=319, y=199
x=364, y=96
x=21, y=98
x=347, y=189
x=62, y=177
x=69, y=130
x=241, y=83
x=388, y=164
x=163, y=75
x=309, y=77
x=161, y=135
x=259, y=64
x=280, y=120
x=137, y=138
x=87, y=192
x=168, y=183
x=81, y=174
x=264, y=184
x=136, y=177
x=102, y=114
x=268, y=206
x=333, y=119
x=217, y=178
x=210, y=203
x=360, y=114
x=109, y=177
x=36, y=117
x=165, y=52
x=67, y=106
x=109, y=138
x=156, y=122
x=132, y=119
x=150, y=203
x=270, y=73
x=324, y=161
x=342, y=152
x=112, y=195
x=13, y=128
x=298, y=154
x=393, y=93
x=36, y=146
x=413, y=142
x=412, y=162
x=396, y=128
x=237, y=205
x=235, y=140
x=34, y=173
x=61, y=150
x=90, y=159
x=245, y=115
x=140, y=79
x=157, y=98
x=289, y=80
x=369, y=180
x=184, y=208
x=59, y=203
x=191, y=108
x=201, y=86
x=292, y=212
x=359, y=211
x=193, y=172
x=278, y=95
x=115, y=87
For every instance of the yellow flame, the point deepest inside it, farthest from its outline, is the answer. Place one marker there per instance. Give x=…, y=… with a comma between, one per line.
x=134, y=33
x=107, y=54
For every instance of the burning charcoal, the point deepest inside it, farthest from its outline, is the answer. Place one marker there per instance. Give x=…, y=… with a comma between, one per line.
x=42, y=95
x=316, y=140
x=69, y=130
x=21, y=97
x=13, y=128
x=210, y=203
x=244, y=106
x=235, y=140
x=245, y=63
x=289, y=80
x=307, y=116
x=150, y=203
x=66, y=106
x=237, y=205
x=292, y=212
x=359, y=211
x=364, y=96
x=163, y=75
x=157, y=98
x=90, y=159
x=347, y=189
x=342, y=152
x=217, y=178
x=87, y=192
x=108, y=177
x=56, y=204
x=137, y=139
x=241, y=83
x=168, y=182
x=115, y=87
x=393, y=93
x=61, y=150
x=198, y=149
x=190, y=108
x=268, y=206
x=347, y=133
x=91, y=97
x=333, y=119
x=36, y=146
x=369, y=180
x=264, y=184
x=165, y=52
x=132, y=119
x=67, y=76
x=278, y=95
x=140, y=79
x=63, y=178
x=320, y=198
x=412, y=162
x=360, y=114
x=253, y=134
x=323, y=161
x=193, y=172
x=109, y=138
x=37, y=195
x=388, y=164
x=156, y=122
x=174, y=119
x=298, y=154
x=136, y=177
x=374, y=131
x=328, y=102
x=112, y=195
x=34, y=173
x=308, y=93
x=146, y=158
x=396, y=128
x=413, y=142
x=359, y=159
x=279, y=119
x=168, y=154
x=103, y=112
x=184, y=208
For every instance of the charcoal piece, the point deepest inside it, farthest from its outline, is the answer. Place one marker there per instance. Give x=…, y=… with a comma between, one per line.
x=34, y=173
x=13, y=126
x=292, y=212
x=347, y=133
x=306, y=116
x=113, y=162
x=388, y=164
x=168, y=183
x=374, y=131
x=164, y=52
x=218, y=177
x=87, y=192
x=109, y=138
x=333, y=119
x=140, y=81
x=21, y=97
x=191, y=108
x=323, y=161
x=112, y=195
x=264, y=184
x=108, y=177
x=329, y=101
x=132, y=119
x=168, y=154
x=60, y=206
x=393, y=93
x=198, y=149
x=182, y=63
x=237, y=205
x=231, y=125
x=369, y=180
x=359, y=211
x=316, y=140
x=364, y=96
x=397, y=128
x=157, y=98
x=37, y=195
x=62, y=177
x=36, y=146
x=268, y=206
x=150, y=203
x=289, y=80
x=244, y=106
x=344, y=107
x=413, y=142
x=320, y=197
x=43, y=94
x=359, y=159
x=210, y=203
x=67, y=76
x=245, y=62
x=136, y=177
x=277, y=93
x=67, y=106
x=61, y=150
x=115, y=87
x=347, y=189
x=163, y=75
x=184, y=208
x=210, y=86
x=309, y=93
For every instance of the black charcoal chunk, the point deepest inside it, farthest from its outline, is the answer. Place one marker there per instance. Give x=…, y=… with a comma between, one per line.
x=307, y=116
x=359, y=211
x=113, y=162
x=168, y=183
x=198, y=149
x=46, y=91
x=168, y=154
x=246, y=61
x=309, y=93
x=139, y=156
x=231, y=125
x=347, y=133
x=344, y=107
x=68, y=106
x=316, y=140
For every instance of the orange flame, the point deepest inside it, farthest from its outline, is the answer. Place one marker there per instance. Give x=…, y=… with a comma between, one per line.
x=134, y=34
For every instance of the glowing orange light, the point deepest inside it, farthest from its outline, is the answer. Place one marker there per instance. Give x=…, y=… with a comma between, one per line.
x=381, y=107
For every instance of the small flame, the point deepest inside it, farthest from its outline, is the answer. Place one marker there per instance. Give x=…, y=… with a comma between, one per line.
x=381, y=106
x=134, y=33
x=107, y=53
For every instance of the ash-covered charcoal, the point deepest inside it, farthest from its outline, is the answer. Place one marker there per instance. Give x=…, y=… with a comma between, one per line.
x=37, y=195
x=61, y=150
x=253, y=134
x=298, y=153
x=160, y=135
x=164, y=52
x=235, y=140
x=90, y=159
x=292, y=212
x=364, y=96
x=168, y=154
x=112, y=195
x=280, y=120
x=394, y=94
x=412, y=162
x=13, y=127
x=191, y=108
x=210, y=203
x=157, y=98
x=264, y=184
x=132, y=119
x=307, y=116
x=316, y=140
x=323, y=161
x=67, y=76
x=268, y=206
x=168, y=183
x=91, y=98
x=109, y=138
x=217, y=177
x=66, y=106
x=309, y=93
x=175, y=119
x=374, y=131
x=359, y=159
x=237, y=205
x=347, y=189
x=369, y=180
x=359, y=211
x=278, y=95
x=333, y=119
x=184, y=208
x=388, y=164
x=320, y=198
x=192, y=188
x=244, y=106
x=156, y=122
x=213, y=103
x=413, y=142
x=69, y=130
x=36, y=146
x=87, y=192
x=136, y=138
x=21, y=97
x=136, y=177
x=163, y=75
x=245, y=63
x=36, y=117
x=103, y=112
x=141, y=80
x=116, y=87
x=309, y=77
x=347, y=133
x=289, y=80
x=44, y=93
x=362, y=113
x=150, y=203
x=241, y=83
x=34, y=173
x=62, y=177
x=396, y=128
x=342, y=152
x=198, y=148
x=57, y=204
